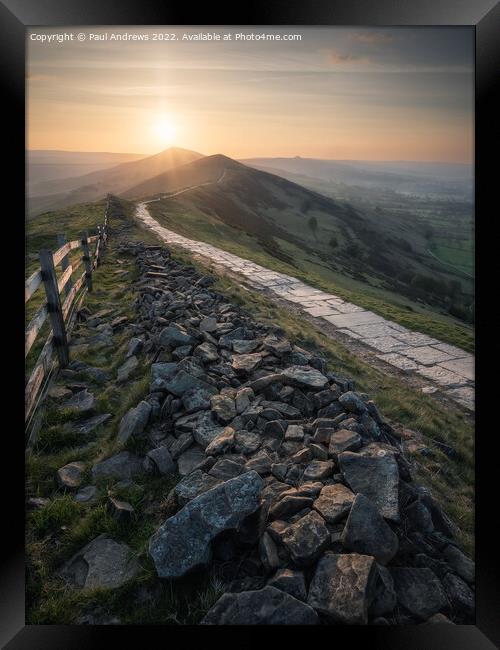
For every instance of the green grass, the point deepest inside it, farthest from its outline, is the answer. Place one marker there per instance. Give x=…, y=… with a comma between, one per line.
x=412, y=315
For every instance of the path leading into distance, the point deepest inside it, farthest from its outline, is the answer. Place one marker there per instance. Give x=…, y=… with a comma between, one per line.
x=445, y=367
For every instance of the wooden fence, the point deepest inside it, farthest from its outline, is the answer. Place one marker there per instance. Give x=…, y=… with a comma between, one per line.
x=63, y=296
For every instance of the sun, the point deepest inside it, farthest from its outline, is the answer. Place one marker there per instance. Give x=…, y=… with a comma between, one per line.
x=164, y=129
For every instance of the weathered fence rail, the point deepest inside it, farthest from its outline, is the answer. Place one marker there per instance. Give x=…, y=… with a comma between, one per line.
x=63, y=297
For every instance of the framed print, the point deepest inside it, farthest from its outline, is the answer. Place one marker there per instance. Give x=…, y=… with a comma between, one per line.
x=257, y=334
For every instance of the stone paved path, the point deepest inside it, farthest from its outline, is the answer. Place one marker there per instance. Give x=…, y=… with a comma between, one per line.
x=446, y=367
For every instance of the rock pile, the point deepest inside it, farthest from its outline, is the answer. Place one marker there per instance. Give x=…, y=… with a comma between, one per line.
x=292, y=483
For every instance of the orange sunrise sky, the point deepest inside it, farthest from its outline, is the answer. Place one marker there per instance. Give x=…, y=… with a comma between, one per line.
x=340, y=93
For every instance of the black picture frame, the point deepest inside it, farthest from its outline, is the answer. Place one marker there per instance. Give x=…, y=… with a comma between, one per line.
x=484, y=15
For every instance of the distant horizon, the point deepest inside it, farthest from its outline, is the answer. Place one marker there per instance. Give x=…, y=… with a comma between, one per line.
x=307, y=157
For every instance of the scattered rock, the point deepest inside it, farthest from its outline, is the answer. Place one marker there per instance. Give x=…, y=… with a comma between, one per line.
x=334, y=502
x=192, y=485
x=418, y=591
x=352, y=402
x=88, y=494
x=268, y=606
x=82, y=402
x=183, y=542
x=367, y=533
x=460, y=563
x=304, y=377
x=343, y=587
x=159, y=460
x=190, y=460
x=221, y=443
x=71, y=475
x=120, y=510
x=134, y=422
x=173, y=338
x=318, y=470
x=306, y=539
x=223, y=407
x=120, y=466
x=103, y=563
x=343, y=440
x=291, y=581
x=126, y=369
x=377, y=477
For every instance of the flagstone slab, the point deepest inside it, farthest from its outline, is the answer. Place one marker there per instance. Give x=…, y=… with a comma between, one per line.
x=398, y=360
x=385, y=343
x=442, y=376
x=426, y=355
x=348, y=320
x=463, y=367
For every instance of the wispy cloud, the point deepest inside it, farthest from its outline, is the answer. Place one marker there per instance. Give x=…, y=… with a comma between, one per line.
x=337, y=58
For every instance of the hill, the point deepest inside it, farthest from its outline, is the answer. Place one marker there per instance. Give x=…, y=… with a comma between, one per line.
x=94, y=186
x=49, y=165
x=230, y=204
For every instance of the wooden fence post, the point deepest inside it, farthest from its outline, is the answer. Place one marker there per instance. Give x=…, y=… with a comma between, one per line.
x=61, y=240
x=54, y=307
x=86, y=260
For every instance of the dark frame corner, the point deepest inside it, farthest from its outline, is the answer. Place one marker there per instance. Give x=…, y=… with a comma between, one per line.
x=484, y=15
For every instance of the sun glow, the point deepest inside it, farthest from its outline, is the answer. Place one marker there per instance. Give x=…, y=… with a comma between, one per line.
x=164, y=129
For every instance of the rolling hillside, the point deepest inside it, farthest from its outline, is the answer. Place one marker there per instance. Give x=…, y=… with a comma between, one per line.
x=94, y=186
x=48, y=165
x=232, y=204
x=355, y=245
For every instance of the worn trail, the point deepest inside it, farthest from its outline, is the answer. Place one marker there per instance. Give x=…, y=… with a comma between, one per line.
x=445, y=367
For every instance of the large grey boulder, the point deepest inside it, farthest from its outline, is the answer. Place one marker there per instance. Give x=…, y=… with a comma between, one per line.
x=419, y=591
x=183, y=542
x=133, y=422
x=377, y=477
x=366, y=532
x=268, y=606
x=343, y=587
x=82, y=402
x=304, y=377
x=103, y=563
x=120, y=466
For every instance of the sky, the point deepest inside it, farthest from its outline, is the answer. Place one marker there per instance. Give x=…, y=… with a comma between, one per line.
x=338, y=93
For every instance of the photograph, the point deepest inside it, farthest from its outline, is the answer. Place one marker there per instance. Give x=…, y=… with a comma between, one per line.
x=250, y=325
